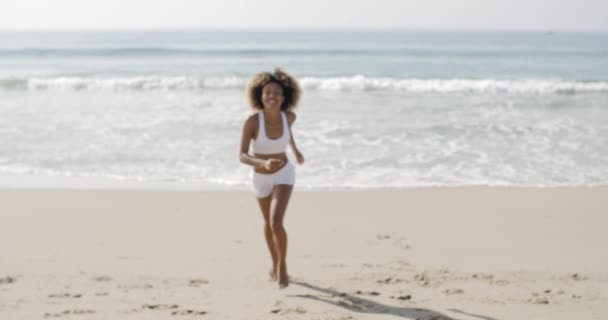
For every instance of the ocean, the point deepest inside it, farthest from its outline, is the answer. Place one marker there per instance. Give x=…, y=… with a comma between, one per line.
x=380, y=109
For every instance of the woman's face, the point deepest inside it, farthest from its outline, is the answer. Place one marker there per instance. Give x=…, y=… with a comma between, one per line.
x=272, y=96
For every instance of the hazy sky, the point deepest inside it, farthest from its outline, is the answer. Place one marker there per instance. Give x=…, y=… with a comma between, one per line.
x=423, y=14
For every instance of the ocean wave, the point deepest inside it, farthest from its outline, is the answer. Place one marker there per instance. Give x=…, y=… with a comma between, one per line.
x=454, y=85
x=137, y=83
x=291, y=51
x=345, y=83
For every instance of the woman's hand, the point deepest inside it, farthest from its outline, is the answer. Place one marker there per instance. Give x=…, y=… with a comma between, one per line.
x=299, y=156
x=272, y=164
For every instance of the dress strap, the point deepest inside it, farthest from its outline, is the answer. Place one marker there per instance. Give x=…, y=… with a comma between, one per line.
x=285, y=124
x=262, y=129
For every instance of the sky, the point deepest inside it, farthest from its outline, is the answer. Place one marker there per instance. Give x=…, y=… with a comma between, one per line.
x=563, y=15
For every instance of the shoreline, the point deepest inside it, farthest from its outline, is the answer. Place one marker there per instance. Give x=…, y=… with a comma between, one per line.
x=24, y=182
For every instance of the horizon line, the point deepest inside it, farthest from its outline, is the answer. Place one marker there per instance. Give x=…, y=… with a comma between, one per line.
x=288, y=29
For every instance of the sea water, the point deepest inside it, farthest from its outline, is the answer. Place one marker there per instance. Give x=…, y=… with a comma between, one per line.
x=380, y=109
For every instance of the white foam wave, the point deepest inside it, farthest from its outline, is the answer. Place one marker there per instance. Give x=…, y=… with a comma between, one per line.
x=182, y=83
x=351, y=83
x=453, y=85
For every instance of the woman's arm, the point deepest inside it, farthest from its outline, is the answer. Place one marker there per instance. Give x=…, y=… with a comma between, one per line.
x=291, y=118
x=248, y=130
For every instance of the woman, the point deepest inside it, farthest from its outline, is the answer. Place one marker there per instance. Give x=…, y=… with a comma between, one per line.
x=273, y=96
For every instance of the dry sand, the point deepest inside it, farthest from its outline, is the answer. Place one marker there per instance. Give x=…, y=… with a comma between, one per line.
x=436, y=253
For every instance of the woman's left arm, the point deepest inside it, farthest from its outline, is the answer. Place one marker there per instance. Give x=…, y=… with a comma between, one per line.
x=291, y=118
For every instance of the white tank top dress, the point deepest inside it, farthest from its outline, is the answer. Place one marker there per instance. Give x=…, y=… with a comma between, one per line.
x=263, y=183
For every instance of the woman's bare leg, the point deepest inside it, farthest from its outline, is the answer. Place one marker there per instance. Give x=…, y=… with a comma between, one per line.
x=265, y=207
x=280, y=199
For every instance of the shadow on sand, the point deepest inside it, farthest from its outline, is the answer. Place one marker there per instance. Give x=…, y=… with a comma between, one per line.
x=356, y=304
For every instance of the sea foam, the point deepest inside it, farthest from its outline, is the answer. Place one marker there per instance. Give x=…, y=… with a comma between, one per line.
x=343, y=83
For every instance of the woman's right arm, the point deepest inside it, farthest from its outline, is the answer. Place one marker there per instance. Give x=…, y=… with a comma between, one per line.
x=248, y=131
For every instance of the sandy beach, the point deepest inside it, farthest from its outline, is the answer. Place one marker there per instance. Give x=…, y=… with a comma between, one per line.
x=430, y=253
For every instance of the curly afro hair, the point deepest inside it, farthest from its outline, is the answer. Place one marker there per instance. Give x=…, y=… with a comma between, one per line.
x=291, y=89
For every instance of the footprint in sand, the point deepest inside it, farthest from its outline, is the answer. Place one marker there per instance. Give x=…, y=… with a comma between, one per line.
x=160, y=306
x=548, y=296
x=69, y=312
x=83, y=311
x=127, y=288
x=483, y=276
x=578, y=277
x=539, y=300
x=424, y=280
x=402, y=297
x=103, y=279
x=284, y=311
x=390, y=280
x=452, y=291
x=7, y=280
x=65, y=295
x=198, y=282
x=188, y=312
x=367, y=293
x=500, y=283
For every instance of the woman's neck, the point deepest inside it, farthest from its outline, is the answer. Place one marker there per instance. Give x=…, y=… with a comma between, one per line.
x=272, y=116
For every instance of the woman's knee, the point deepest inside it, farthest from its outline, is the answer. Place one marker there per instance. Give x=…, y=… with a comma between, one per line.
x=276, y=225
x=267, y=226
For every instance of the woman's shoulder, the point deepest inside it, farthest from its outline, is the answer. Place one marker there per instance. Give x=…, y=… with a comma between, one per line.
x=291, y=116
x=252, y=120
x=253, y=117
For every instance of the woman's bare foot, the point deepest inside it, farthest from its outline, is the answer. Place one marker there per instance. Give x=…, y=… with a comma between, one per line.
x=283, y=277
x=273, y=274
x=283, y=282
